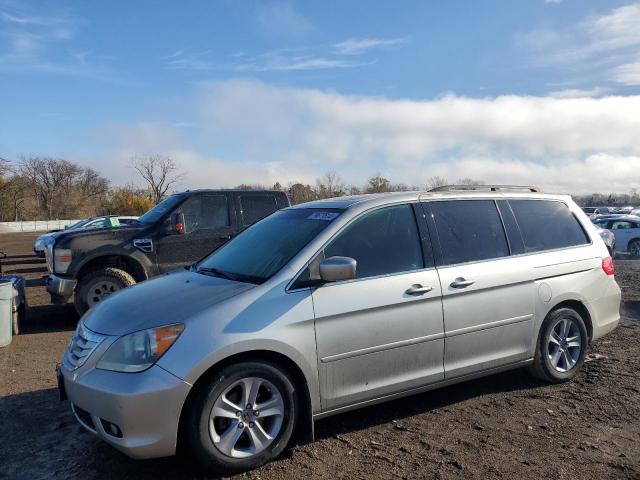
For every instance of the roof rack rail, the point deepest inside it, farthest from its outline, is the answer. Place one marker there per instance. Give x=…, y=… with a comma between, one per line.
x=490, y=188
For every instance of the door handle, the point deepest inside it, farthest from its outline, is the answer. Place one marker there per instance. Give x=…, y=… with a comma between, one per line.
x=417, y=289
x=225, y=237
x=461, y=282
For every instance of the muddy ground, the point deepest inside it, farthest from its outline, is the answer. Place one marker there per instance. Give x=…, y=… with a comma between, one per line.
x=504, y=426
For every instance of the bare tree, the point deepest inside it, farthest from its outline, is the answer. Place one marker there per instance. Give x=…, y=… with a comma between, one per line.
x=51, y=179
x=435, y=182
x=470, y=181
x=159, y=171
x=330, y=185
x=378, y=184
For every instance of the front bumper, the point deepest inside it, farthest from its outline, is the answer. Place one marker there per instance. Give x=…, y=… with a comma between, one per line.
x=60, y=288
x=144, y=407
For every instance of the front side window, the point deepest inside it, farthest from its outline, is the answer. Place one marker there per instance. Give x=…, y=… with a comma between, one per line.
x=547, y=225
x=382, y=242
x=161, y=209
x=469, y=230
x=261, y=250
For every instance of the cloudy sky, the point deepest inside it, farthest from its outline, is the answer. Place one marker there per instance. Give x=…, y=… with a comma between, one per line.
x=534, y=91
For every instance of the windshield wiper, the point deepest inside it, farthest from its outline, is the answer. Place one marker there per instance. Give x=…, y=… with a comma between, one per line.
x=217, y=273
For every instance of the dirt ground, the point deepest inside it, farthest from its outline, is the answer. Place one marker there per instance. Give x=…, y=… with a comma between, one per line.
x=504, y=426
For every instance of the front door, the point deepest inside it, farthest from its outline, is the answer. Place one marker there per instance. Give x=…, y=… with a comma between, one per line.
x=382, y=332
x=207, y=225
x=487, y=294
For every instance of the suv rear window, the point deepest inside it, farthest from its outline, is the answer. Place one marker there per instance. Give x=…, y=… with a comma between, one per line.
x=256, y=207
x=547, y=225
x=469, y=230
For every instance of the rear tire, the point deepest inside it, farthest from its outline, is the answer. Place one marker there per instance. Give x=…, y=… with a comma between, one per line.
x=98, y=284
x=227, y=441
x=561, y=347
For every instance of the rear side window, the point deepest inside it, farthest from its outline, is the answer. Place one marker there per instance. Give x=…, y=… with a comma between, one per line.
x=256, y=207
x=547, y=224
x=205, y=212
x=383, y=242
x=469, y=230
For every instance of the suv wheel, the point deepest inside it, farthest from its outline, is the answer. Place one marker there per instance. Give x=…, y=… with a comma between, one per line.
x=243, y=418
x=98, y=284
x=634, y=248
x=561, y=346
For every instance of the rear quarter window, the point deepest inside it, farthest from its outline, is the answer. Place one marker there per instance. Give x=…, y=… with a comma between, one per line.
x=256, y=207
x=547, y=225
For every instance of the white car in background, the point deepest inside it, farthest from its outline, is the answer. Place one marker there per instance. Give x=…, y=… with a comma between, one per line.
x=104, y=221
x=626, y=229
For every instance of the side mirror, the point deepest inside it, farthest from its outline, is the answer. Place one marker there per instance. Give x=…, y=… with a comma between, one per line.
x=335, y=269
x=176, y=224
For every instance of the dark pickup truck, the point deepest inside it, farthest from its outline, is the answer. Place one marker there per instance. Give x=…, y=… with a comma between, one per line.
x=177, y=232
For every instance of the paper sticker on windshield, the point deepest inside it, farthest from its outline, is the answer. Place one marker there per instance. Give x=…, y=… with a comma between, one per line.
x=326, y=216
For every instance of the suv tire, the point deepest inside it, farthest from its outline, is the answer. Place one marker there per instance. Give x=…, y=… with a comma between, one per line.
x=96, y=285
x=207, y=423
x=561, y=346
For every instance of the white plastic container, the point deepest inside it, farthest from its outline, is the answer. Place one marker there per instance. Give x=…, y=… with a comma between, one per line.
x=6, y=314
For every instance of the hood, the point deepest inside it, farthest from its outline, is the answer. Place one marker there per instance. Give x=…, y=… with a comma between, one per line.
x=121, y=231
x=170, y=298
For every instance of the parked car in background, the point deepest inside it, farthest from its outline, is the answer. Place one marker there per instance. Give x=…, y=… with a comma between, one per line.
x=636, y=212
x=104, y=221
x=595, y=211
x=180, y=230
x=626, y=229
x=334, y=305
x=609, y=239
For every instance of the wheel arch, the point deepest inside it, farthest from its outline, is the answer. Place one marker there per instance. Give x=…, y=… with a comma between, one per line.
x=582, y=310
x=123, y=262
x=304, y=430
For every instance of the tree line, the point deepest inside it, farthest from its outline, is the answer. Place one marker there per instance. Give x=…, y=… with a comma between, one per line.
x=47, y=188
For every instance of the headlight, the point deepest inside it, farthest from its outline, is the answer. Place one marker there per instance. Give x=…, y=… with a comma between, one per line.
x=137, y=351
x=61, y=259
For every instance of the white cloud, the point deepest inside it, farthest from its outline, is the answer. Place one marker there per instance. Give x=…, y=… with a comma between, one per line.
x=282, y=60
x=357, y=46
x=282, y=20
x=628, y=73
x=40, y=44
x=282, y=134
x=579, y=93
x=599, y=45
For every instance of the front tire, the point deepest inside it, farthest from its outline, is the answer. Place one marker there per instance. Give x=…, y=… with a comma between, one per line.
x=562, y=346
x=97, y=285
x=634, y=248
x=243, y=418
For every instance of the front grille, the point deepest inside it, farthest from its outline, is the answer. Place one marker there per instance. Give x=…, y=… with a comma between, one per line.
x=82, y=344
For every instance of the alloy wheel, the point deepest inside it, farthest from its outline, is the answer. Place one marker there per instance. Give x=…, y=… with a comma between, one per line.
x=564, y=345
x=246, y=418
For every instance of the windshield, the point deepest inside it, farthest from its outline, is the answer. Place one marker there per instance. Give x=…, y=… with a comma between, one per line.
x=79, y=224
x=160, y=209
x=263, y=249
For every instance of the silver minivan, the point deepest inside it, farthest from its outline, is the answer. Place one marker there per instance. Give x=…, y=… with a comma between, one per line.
x=336, y=304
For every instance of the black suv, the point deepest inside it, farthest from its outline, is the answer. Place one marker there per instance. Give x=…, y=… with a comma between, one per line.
x=177, y=232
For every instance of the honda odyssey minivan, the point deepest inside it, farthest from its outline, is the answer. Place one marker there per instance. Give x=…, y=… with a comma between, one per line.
x=336, y=304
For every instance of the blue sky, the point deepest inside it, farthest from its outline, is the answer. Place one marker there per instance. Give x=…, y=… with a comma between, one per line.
x=248, y=91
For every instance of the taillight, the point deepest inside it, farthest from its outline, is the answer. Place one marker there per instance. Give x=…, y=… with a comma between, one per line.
x=607, y=266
